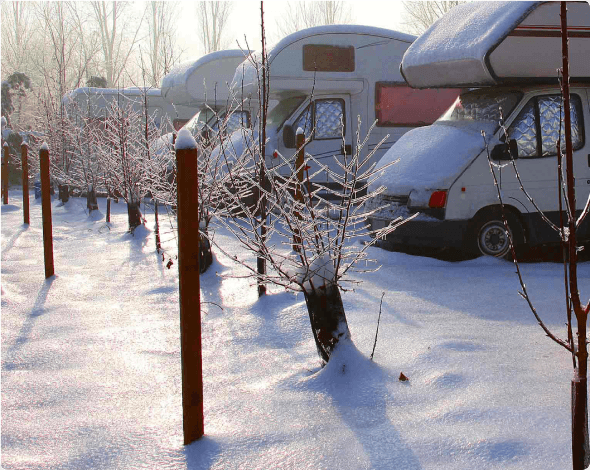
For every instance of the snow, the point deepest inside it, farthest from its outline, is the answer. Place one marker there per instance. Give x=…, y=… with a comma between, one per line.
x=44, y=146
x=185, y=140
x=430, y=157
x=453, y=51
x=91, y=361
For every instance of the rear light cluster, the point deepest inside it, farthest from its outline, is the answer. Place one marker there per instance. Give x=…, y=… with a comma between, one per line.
x=438, y=200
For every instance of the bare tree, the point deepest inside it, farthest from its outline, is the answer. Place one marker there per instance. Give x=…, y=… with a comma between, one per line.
x=306, y=14
x=420, y=15
x=18, y=30
x=212, y=20
x=160, y=55
x=117, y=39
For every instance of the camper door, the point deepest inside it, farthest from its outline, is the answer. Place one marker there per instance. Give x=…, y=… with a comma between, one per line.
x=327, y=121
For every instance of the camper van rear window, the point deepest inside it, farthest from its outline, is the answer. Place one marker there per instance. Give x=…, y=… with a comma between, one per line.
x=325, y=58
x=398, y=105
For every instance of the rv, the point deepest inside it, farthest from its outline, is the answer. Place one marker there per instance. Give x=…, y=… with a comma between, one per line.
x=204, y=86
x=94, y=103
x=323, y=78
x=509, y=62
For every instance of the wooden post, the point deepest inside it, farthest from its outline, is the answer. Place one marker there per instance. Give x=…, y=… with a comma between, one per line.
x=189, y=286
x=299, y=159
x=46, y=211
x=24, y=148
x=5, y=160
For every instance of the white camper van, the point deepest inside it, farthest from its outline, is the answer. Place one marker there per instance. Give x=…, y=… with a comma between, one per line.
x=323, y=78
x=89, y=102
x=204, y=86
x=443, y=170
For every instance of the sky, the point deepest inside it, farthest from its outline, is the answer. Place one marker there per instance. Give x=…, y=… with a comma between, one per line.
x=245, y=21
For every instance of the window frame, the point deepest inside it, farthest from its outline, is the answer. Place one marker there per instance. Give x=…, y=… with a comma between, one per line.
x=538, y=128
x=313, y=118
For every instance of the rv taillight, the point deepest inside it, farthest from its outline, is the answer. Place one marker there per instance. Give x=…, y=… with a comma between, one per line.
x=438, y=199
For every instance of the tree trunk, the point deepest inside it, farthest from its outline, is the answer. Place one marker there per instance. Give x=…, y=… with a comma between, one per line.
x=91, y=202
x=327, y=318
x=133, y=215
x=579, y=423
x=64, y=192
x=205, y=253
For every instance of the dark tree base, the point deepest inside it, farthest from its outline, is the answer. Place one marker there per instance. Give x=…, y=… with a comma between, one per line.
x=133, y=215
x=91, y=202
x=205, y=254
x=327, y=318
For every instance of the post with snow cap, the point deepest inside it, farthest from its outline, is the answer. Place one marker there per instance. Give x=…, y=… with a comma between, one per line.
x=5, y=159
x=189, y=286
x=46, y=210
x=24, y=149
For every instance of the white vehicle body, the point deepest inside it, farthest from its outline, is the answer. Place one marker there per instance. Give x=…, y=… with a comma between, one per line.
x=94, y=103
x=443, y=170
x=323, y=78
x=204, y=86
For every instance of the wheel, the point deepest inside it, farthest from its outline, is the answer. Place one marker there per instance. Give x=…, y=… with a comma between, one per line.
x=492, y=239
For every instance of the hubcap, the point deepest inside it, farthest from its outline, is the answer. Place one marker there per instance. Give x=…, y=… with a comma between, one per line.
x=493, y=240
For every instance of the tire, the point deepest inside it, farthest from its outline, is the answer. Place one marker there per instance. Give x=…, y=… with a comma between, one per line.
x=491, y=238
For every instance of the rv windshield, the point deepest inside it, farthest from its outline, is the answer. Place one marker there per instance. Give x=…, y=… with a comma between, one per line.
x=198, y=121
x=482, y=105
x=282, y=111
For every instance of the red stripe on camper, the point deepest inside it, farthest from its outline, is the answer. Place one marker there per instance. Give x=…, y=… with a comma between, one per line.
x=546, y=31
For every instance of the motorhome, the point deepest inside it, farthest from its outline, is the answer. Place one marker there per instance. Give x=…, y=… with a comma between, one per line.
x=507, y=54
x=204, y=86
x=94, y=103
x=323, y=78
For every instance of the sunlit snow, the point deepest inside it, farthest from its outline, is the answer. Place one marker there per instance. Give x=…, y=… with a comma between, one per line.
x=91, y=364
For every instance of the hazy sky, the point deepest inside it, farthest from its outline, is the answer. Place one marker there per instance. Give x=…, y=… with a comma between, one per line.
x=245, y=20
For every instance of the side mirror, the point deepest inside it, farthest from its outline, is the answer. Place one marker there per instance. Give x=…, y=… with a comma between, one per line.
x=503, y=152
x=288, y=137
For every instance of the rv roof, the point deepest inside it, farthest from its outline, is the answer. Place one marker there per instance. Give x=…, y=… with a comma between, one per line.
x=487, y=43
x=337, y=29
x=179, y=74
x=247, y=75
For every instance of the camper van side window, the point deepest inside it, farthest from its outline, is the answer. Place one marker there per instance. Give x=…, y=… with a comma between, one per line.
x=396, y=104
x=326, y=58
x=537, y=127
x=329, y=119
x=550, y=123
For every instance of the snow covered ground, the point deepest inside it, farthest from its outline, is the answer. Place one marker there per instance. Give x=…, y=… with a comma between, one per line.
x=91, y=363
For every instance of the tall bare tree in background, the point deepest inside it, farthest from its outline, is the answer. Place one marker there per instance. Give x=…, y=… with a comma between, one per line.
x=419, y=16
x=17, y=34
x=161, y=40
x=118, y=39
x=212, y=20
x=306, y=14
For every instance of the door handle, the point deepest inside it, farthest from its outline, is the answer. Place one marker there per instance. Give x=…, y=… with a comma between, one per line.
x=347, y=150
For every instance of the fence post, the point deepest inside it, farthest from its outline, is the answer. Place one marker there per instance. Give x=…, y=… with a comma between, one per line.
x=46, y=211
x=299, y=158
x=24, y=149
x=189, y=286
x=5, y=160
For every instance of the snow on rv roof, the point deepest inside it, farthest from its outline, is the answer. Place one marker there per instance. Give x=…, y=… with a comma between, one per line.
x=246, y=72
x=453, y=51
x=179, y=74
x=188, y=83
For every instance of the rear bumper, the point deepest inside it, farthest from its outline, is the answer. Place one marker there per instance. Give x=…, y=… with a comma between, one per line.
x=423, y=233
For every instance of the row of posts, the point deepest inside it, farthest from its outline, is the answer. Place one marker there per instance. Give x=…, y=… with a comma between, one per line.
x=188, y=270
x=45, y=198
